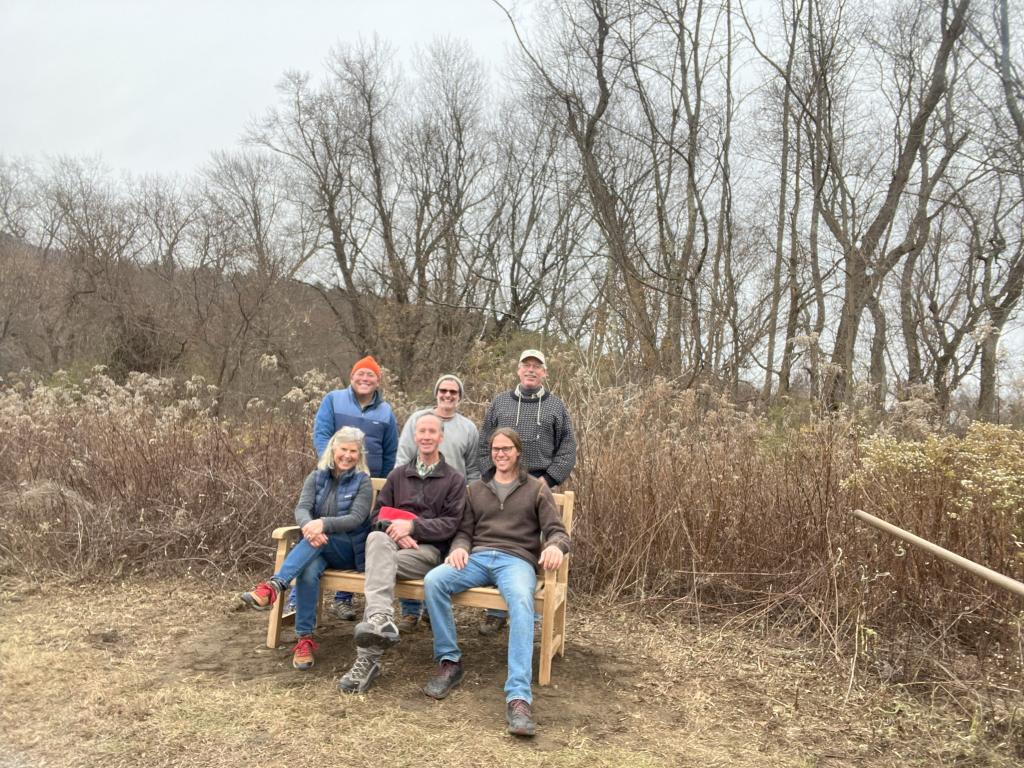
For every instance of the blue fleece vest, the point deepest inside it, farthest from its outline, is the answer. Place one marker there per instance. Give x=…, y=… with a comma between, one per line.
x=347, y=488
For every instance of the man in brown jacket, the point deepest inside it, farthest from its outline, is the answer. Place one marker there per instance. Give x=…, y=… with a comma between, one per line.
x=430, y=494
x=499, y=542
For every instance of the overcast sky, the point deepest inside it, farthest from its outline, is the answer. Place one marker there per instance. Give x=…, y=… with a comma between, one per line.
x=156, y=85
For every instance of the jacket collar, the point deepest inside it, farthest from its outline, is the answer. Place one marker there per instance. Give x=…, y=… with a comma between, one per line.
x=488, y=478
x=540, y=394
x=437, y=471
x=374, y=401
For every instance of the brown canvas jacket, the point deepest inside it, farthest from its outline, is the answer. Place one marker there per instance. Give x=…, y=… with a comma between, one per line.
x=437, y=500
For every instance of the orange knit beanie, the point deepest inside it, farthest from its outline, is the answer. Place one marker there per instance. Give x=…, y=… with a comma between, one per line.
x=368, y=363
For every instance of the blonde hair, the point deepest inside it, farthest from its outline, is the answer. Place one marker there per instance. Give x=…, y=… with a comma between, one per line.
x=344, y=435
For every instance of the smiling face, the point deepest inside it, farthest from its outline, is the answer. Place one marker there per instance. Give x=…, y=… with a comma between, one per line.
x=531, y=373
x=346, y=456
x=365, y=383
x=504, y=454
x=428, y=436
x=447, y=397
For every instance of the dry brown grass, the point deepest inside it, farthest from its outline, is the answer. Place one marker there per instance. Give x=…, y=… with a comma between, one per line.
x=165, y=674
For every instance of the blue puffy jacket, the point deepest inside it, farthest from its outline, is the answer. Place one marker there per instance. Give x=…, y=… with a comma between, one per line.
x=377, y=421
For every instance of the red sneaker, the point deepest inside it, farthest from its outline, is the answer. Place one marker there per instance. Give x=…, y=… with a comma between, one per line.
x=302, y=653
x=261, y=597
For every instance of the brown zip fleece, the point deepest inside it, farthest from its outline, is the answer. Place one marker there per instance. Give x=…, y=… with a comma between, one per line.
x=514, y=526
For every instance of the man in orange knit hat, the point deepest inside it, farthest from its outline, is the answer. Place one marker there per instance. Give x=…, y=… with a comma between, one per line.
x=359, y=405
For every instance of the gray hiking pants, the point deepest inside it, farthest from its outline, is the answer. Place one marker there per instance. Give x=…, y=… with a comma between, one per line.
x=385, y=563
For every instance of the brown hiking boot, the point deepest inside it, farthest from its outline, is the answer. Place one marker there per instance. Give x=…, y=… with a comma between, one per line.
x=408, y=622
x=519, y=718
x=446, y=676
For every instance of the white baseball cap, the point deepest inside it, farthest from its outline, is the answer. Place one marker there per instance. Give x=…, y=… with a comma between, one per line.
x=536, y=353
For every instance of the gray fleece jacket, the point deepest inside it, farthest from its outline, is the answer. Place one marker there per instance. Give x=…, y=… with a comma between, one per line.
x=459, y=446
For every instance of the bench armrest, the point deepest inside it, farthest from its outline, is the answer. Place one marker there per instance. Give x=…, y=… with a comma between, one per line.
x=560, y=575
x=285, y=532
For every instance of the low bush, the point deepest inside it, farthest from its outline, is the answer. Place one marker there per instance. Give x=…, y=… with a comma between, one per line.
x=100, y=479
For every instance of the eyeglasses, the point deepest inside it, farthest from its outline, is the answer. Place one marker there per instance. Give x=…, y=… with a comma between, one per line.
x=502, y=448
x=532, y=366
x=447, y=391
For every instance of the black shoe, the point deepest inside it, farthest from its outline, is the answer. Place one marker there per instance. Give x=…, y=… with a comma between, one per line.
x=379, y=631
x=519, y=718
x=446, y=676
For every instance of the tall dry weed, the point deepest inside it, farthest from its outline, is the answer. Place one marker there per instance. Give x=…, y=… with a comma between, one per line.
x=683, y=499
x=687, y=499
x=98, y=478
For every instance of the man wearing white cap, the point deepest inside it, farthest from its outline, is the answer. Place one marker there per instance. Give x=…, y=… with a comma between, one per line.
x=542, y=422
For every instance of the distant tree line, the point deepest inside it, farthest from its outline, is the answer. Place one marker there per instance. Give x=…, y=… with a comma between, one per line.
x=783, y=198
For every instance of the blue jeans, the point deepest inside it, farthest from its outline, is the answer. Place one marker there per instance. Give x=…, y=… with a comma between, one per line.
x=516, y=580
x=305, y=564
x=499, y=614
x=411, y=607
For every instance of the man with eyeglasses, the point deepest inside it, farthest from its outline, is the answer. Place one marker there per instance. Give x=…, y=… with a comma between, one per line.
x=461, y=438
x=542, y=422
x=510, y=528
x=460, y=453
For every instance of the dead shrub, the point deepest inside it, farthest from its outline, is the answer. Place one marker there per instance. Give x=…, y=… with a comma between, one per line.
x=100, y=478
x=683, y=500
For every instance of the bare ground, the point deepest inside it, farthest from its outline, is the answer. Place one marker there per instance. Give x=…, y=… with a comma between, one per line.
x=171, y=674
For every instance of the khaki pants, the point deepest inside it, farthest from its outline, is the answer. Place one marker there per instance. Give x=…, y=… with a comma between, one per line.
x=385, y=563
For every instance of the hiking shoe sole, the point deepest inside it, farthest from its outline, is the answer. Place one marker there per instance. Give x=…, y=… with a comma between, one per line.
x=367, y=637
x=249, y=601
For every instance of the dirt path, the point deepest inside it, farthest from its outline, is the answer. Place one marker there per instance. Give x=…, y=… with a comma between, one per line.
x=170, y=675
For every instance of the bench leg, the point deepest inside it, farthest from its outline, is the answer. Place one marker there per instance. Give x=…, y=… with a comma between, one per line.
x=277, y=607
x=274, y=624
x=547, y=632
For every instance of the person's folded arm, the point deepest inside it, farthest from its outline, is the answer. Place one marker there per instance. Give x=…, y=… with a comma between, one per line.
x=307, y=498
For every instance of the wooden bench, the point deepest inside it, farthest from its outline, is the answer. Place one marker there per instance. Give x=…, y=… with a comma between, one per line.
x=549, y=600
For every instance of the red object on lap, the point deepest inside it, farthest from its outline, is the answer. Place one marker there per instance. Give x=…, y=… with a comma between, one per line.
x=394, y=513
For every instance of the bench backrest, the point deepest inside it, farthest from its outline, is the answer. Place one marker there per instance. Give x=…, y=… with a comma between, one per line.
x=564, y=502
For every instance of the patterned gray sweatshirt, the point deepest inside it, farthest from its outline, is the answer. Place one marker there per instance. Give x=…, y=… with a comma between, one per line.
x=544, y=427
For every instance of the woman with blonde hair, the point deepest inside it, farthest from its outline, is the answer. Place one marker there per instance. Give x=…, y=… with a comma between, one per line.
x=334, y=514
